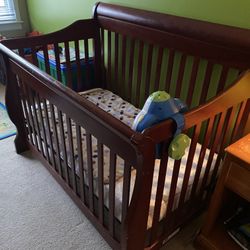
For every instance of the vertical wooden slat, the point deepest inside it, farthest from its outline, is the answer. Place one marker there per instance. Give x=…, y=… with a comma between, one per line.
x=189, y=163
x=42, y=128
x=207, y=131
x=214, y=143
x=55, y=133
x=100, y=181
x=68, y=66
x=139, y=74
x=78, y=66
x=223, y=78
x=71, y=152
x=109, y=73
x=158, y=68
x=180, y=75
x=159, y=195
x=21, y=52
x=34, y=56
x=126, y=190
x=148, y=71
x=192, y=81
x=116, y=56
x=131, y=68
x=90, y=171
x=58, y=64
x=63, y=145
x=47, y=125
x=112, y=171
x=80, y=162
x=206, y=83
x=173, y=186
x=46, y=59
x=123, y=61
x=34, y=114
x=86, y=61
x=169, y=69
x=26, y=112
x=103, y=44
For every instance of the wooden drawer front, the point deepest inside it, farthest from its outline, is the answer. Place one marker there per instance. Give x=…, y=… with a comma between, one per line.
x=238, y=180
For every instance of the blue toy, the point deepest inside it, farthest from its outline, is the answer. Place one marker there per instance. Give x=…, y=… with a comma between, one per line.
x=159, y=107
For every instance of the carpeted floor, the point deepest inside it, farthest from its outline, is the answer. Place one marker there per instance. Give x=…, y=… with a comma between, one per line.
x=37, y=214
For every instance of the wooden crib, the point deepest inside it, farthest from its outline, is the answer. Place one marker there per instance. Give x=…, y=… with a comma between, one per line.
x=132, y=53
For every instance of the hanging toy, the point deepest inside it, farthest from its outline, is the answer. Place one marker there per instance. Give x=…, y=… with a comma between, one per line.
x=158, y=107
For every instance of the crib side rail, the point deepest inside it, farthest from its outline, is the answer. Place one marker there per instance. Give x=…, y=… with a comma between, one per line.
x=211, y=128
x=54, y=122
x=71, y=55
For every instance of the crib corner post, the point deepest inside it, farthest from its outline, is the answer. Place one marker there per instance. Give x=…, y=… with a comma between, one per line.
x=135, y=224
x=14, y=105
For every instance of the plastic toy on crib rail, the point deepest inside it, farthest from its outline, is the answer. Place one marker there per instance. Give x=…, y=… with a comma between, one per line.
x=159, y=107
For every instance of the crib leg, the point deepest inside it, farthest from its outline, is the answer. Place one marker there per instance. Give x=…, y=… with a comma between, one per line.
x=14, y=107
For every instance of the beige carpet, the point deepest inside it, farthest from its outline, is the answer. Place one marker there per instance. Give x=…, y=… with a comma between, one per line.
x=37, y=214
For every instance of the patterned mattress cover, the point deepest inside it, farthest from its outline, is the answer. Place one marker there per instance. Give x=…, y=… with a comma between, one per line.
x=126, y=112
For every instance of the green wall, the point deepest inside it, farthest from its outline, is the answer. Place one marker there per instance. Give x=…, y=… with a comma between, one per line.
x=50, y=15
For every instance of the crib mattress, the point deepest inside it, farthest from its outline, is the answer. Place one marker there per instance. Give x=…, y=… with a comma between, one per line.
x=126, y=112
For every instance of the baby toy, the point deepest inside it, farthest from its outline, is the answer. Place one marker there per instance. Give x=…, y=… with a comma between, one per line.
x=159, y=107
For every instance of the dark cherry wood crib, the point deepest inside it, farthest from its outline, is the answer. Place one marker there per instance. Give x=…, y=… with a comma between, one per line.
x=132, y=53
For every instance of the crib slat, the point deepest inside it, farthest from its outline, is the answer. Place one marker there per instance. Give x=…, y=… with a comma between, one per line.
x=238, y=120
x=71, y=150
x=47, y=125
x=26, y=112
x=36, y=124
x=46, y=59
x=123, y=61
x=112, y=173
x=189, y=163
x=158, y=68
x=207, y=79
x=78, y=66
x=34, y=56
x=148, y=71
x=103, y=44
x=58, y=65
x=223, y=78
x=173, y=186
x=68, y=66
x=131, y=67
x=192, y=80
x=63, y=145
x=159, y=195
x=86, y=60
x=218, y=130
x=109, y=60
x=126, y=190
x=139, y=74
x=31, y=117
x=21, y=52
x=90, y=171
x=180, y=75
x=207, y=132
x=80, y=162
x=42, y=128
x=169, y=69
x=100, y=181
x=228, y=120
x=116, y=58
x=56, y=140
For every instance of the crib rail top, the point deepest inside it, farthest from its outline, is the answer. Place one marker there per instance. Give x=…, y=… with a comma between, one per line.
x=222, y=35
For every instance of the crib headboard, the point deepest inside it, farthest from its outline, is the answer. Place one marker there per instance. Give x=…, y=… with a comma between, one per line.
x=148, y=51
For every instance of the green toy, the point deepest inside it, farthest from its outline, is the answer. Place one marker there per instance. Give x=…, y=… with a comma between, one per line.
x=178, y=146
